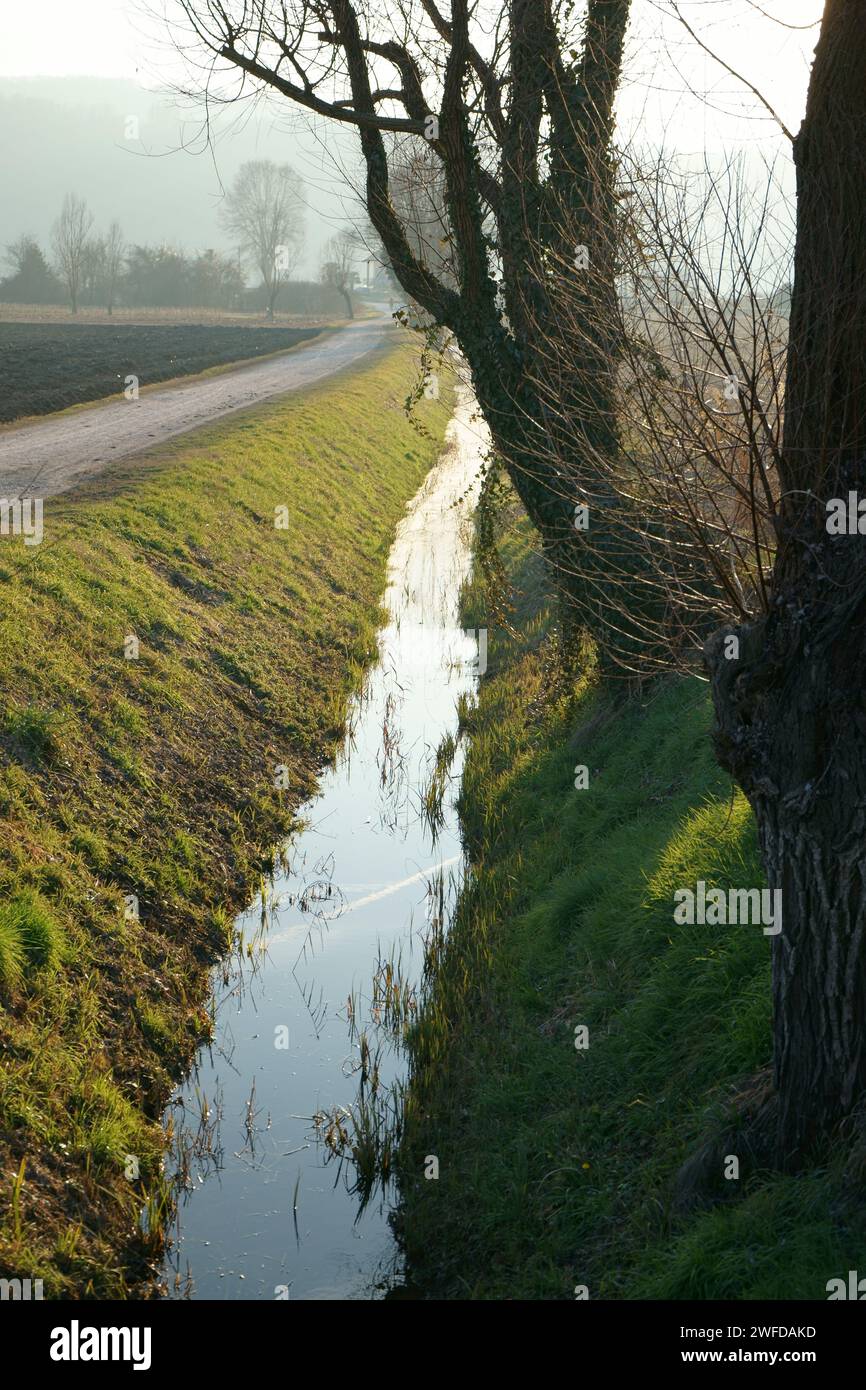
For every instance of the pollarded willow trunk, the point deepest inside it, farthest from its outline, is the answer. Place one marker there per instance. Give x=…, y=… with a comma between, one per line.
x=791, y=709
x=791, y=718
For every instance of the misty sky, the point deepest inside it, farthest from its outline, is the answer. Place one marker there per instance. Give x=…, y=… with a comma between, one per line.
x=62, y=135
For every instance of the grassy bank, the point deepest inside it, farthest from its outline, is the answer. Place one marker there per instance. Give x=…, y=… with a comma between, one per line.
x=139, y=793
x=558, y=1164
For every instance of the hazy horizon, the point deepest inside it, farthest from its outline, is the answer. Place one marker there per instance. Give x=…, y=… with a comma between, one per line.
x=68, y=93
x=68, y=135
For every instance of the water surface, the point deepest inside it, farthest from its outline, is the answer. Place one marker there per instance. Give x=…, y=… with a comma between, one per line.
x=263, y=1213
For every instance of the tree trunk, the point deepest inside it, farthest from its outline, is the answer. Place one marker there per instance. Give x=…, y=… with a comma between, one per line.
x=790, y=711
x=510, y=413
x=601, y=577
x=574, y=207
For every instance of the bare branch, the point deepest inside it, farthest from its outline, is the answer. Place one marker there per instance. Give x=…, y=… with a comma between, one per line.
x=732, y=72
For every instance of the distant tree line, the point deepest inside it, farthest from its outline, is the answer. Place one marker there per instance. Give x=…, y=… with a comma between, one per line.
x=263, y=211
x=32, y=280
x=102, y=273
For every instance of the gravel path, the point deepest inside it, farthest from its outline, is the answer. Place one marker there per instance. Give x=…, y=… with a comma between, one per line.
x=55, y=454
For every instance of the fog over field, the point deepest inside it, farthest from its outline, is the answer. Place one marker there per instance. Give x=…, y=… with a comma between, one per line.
x=69, y=134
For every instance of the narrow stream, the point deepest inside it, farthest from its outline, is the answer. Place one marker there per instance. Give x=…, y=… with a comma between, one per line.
x=265, y=1212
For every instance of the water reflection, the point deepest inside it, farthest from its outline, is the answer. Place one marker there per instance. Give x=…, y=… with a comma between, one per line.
x=311, y=1005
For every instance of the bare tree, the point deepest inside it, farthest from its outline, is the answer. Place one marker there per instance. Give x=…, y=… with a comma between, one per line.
x=754, y=466
x=790, y=711
x=264, y=212
x=70, y=235
x=511, y=110
x=114, y=251
x=338, y=266
x=92, y=264
x=419, y=196
x=677, y=531
x=740, y=503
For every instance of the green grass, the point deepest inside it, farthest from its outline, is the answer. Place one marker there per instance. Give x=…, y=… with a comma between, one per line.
x=154, y=777
x=30, y=938
x=558, y=1165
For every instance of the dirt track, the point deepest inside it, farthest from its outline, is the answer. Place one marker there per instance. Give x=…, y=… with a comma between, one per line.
x=55, y=454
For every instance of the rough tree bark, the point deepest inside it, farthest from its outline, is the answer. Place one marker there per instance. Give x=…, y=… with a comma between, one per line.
x=790, y=712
